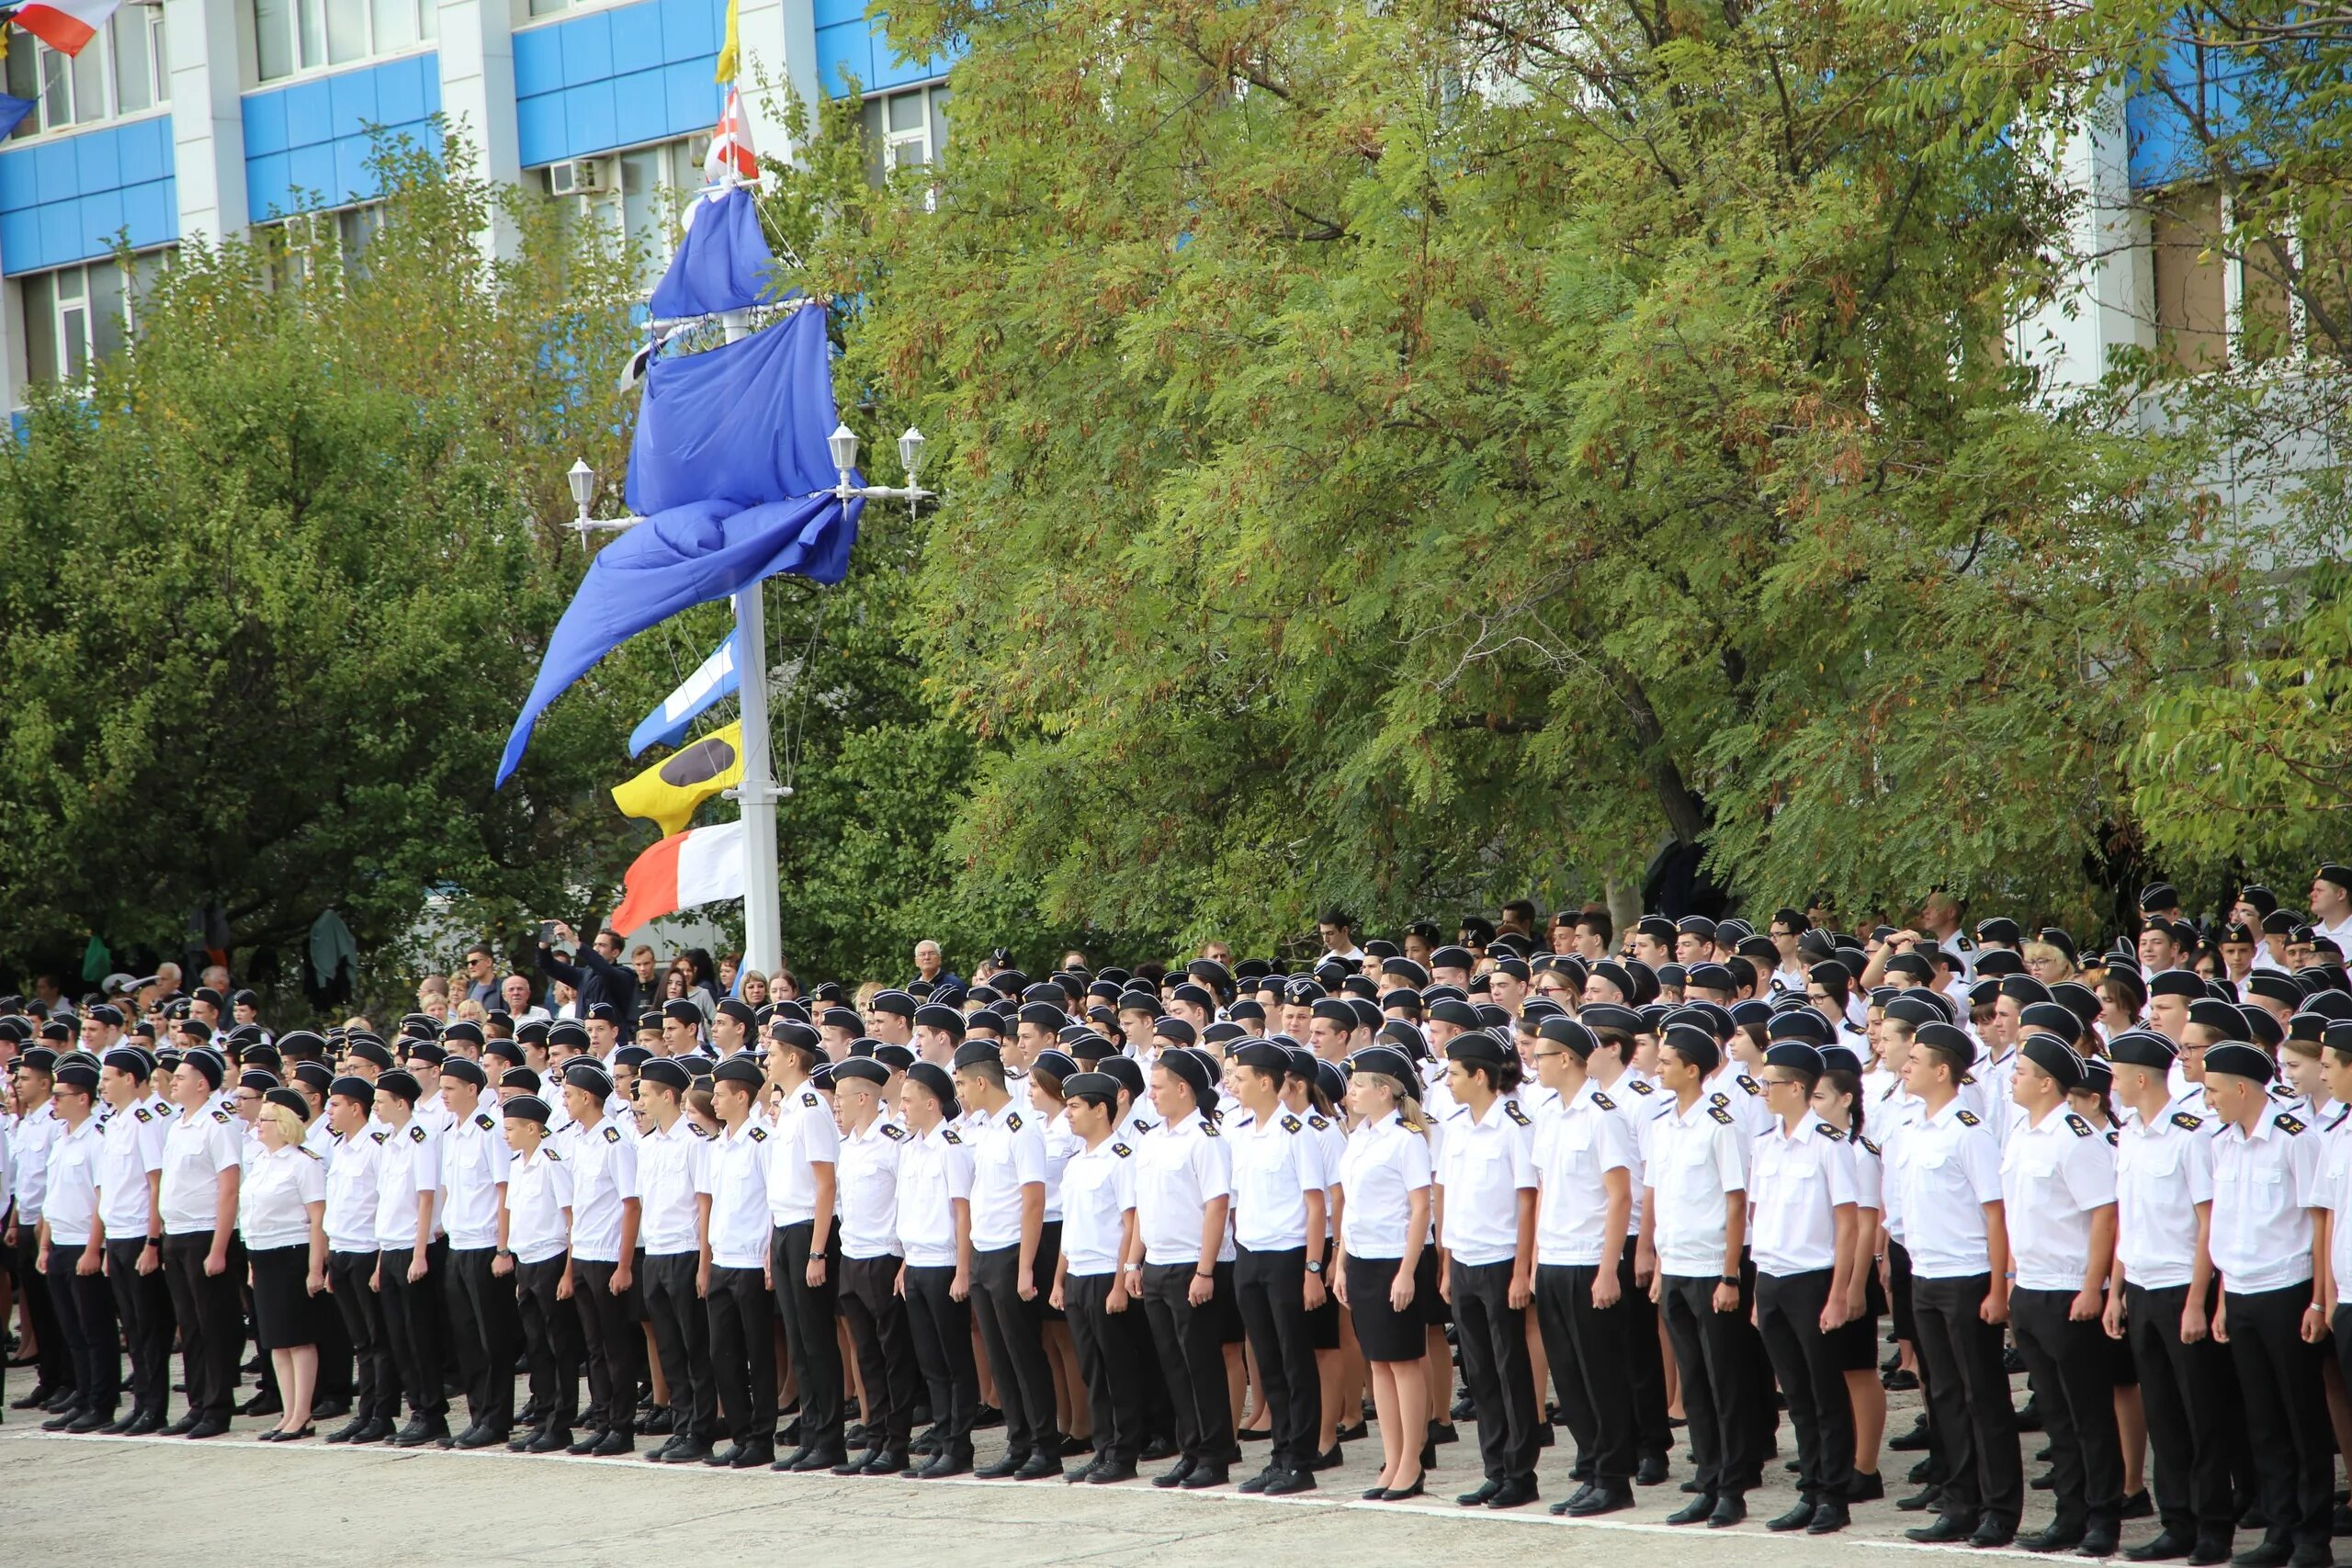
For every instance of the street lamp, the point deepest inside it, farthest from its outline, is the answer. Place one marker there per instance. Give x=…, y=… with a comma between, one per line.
x=842, y=445
x=583, y=480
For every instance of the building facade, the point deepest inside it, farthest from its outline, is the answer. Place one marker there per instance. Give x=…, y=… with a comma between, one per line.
x=189, y=119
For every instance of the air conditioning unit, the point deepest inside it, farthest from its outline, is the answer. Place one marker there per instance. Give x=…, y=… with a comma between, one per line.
x=578, y=176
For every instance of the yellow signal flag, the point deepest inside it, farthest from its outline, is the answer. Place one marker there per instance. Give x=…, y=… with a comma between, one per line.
x=667, y=792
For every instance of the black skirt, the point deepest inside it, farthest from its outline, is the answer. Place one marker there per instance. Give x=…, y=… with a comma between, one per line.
x=1383, y=1333
x=286, y=1315
x=1323, y=1323
x=1855, y=1342
x=1049, y=1254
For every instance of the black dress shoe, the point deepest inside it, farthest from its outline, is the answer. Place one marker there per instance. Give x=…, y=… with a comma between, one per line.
x=1478, y=1496
x=1730, y=1509
x=2059, y=1535
x=556, y=1441
x=1651, y=1470
x=586, y=1444
x=1110, y=1472
x=1159, y=1449
x=1039, y=1465
x=1993, y=1531
x=38, y=1399
x=2209, y=1552
x=954, y=1460
x=143, y=1423
x=263, y=1405
x=1913, y=1441
x=1331, y=1457
x=1921, y=1502
x=986, y=1416
x=2163, y=1549
x=1605, y=1497
x=92, y=1421
x=210, y=1427
x=1947, y=1529
x=1405, y=1493
x=660, y=1421
x=1288, y=1482
x=752, y=1455
x=619, y=1440
x=822, y=1456
x=1173, y=1477
x=181, y=1427
x=1900, y=1378
x=1003, y=1469
x=329, y=1409
x=1444, y=1432
x=1515, y=1493
x=1868, y=1488
x=2099, y=1541
x=1694, y=1512
x=2313, y=1554
x=1796, y=1518
x=1355, y=1434
x=2139, y=1506
x=2264, y=1554
x=854, y=1464
x=1201, y=1477
x=1078, y=1473
x=421, y=1430
x=1830, y=1517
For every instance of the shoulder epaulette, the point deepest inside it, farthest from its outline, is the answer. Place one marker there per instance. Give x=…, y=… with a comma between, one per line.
x=808, y=1097
x=2079, y=1127
x=697, y=1129
x=1720, y=1114
x=307, y=1150
x=1209, y=1130
x=2286, y=1123
x=1719, y=1099
x=142, y=1113
x=1318, y=1123
x=1969, y=1119
x=759, y=1135
x=415, y=1134
x=2186, y=1122
x=612, y=1133
x=380, y=1134
x=1603, y=1101
x=893, y=1132
x=1511, y=1109
x=2112, y=1141
x=948, y=1133
x=1292, y=1123
x=1967, y=1078
x=1013, y=1121
x=484, y=1122
x=1747, y=1083
x=1642, y=1085
x=1826, y=1130
x=220, y=1116
x=1123, y=1151
x=1866, y=1143
x=548, y=1150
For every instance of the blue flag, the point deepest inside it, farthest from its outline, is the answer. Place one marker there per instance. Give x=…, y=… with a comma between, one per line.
x=713, y=681
x=723, y=261
x=13, y=111
x=731, y=473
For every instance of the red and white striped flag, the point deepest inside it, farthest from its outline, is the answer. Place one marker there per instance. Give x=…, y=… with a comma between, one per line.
x=730, y=144
x=65, y=25
x=701, y=865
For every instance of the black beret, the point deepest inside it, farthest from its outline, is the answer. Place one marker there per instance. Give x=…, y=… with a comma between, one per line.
x=1710, y=977
x=1126, y=1070
x=1479, y=1046
x=1092, y=1086
x=2053, y=1056
x=425, y=1050
x=741, y=1012
x=1796, y=1056
x=358, y=1091
x=1047, y=1015
x=897, y=1002
x=974, y=1053
x=530, y=1108
x=1694, y=1045
x=605, y=1012
x=2176, y=983
x=523, y=1078
x=683, y=1009
x=662, y=1070
x=370, y=1052
x=1175, y=1028
x=589, y=1076
x=2051, y=1018
x=401, y=1085
x=897, y=1058
x=1566, y=1032
x=1389, y=1062
x=2163, y=895
x=1264, y=1056
x=504, y=1051
x=1055, y=1064
x=1609, y=1016
x=2237, y=1060
x=1244, y=1010
x=1801, y=1024
x=785, y=1031
x=2263, y=1027
x=2221, y=1017
x=1450, y=957
x=466, y=1071
x=81, y=1075
x=739, y=1069
x=292, y=1098
x=1841, y=1059
x=2331, y=872
x=931, y=1015
x=2142, y=1048
x=1998, y=928
x=1951, y=1042
x=862, y=1070
x=314, y=1075
x=571, y=1033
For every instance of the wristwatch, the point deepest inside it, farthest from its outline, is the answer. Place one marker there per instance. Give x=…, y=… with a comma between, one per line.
x=1314, y=1266
x=1731, y=1279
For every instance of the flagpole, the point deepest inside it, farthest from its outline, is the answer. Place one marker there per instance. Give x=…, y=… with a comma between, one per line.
x=757, y=795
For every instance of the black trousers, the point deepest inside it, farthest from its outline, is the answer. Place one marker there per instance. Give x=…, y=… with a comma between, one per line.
x=212, y=1314
x=2187, y=1389
x=941, y=1328
x=682, y=1339
x=1968, y=1397
x=144, y=1303
x=333, y=1383
x=1492, y=1335
x=605, y=1330
x=1190, y=1343
x=1591, y=1367
x=411, y=1320
x=1709, y=1347
x=886, y=1352
x=350, y=1277
x=1012, y=1331
x=2075, y=1390
x=1114, y=1377
x=2287, y=1435
x=809, y=1311
x=481, y=1311
x=743, y=1353
x=1788, y=1315
x=86, y=1318
x=1645, y=1353
x=55, y=1367
x=1270, y=1288
x=551, y=1341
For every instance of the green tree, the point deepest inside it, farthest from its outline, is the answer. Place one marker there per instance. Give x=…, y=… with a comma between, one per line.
x=1427, y=452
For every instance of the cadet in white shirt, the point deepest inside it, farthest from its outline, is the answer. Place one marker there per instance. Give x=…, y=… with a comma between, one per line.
x=736, y=1236
x=2269, y=1246
x=26, y=1154
x=2161, y=1296
x=129, y=1175
x=1802, y=1209
x=533, y=1234
x=1695, y=1224
x=1635, y=1102
x=605, y=1223
x=72, y=1254
x=674, y=1185
x=1280, y=1195
x=1485, y=1195
x=1007, y=1221
x=1944, y=1193
x=354, y=1173
x=480, y=1305
x=1183, y=1193
x=2058, y=1195
x=203, y=1150
x=804, y=1256
x=281, y=1212
x=1090, y=1286
x=408, y=1188
x=1385, y=1263
x=1584, y=1165
x=870, y=1305
x=934, y=1224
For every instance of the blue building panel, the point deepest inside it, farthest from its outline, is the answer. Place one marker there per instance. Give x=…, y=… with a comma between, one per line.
x=617, y=78
x=308, y=144
x=851, y=46
x=69, y=199
x=2163, y=149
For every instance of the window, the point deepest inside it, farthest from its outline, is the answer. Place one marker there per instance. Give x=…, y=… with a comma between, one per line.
x=639, y=192
x=76, y=316
x=291, y=36
x=120, y=71
x=905, y=129
x=295, y=246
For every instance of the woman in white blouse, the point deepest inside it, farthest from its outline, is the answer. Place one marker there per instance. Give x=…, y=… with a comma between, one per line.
x=1385, y=1259
x=281, y=1214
